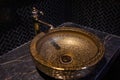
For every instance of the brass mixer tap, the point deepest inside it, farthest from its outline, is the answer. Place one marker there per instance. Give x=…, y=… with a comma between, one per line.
x=37, y=21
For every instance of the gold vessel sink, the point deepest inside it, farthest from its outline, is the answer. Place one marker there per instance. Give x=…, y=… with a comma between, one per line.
x=66, y=52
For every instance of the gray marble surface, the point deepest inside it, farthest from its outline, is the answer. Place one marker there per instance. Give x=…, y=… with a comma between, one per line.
x=18, y=65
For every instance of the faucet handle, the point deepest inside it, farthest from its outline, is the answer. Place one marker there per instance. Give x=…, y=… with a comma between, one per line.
x=35, y=13
x=35, y=16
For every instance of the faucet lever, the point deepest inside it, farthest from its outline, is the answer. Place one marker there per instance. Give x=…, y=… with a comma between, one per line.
x=38, y=21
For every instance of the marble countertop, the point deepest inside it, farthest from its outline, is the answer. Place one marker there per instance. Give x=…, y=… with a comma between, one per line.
x=18, y=65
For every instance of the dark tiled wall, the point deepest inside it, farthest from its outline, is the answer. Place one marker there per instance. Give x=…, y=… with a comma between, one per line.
x=102, y=15
x=16, y=25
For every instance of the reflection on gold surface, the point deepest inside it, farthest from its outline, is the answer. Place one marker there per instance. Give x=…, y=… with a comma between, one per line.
x=66, y=52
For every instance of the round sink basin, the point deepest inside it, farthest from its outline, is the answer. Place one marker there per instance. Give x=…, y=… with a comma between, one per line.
x=66, y=52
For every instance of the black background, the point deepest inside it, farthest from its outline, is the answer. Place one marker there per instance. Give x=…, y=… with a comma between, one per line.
x=16, y=25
